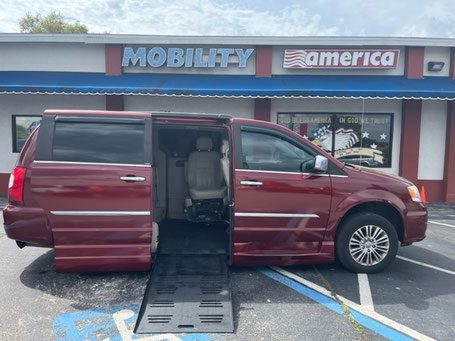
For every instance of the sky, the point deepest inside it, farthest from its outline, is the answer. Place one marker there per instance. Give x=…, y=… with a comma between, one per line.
x=402, y=18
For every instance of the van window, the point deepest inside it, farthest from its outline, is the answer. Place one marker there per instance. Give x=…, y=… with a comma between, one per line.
x=98, y=142
x=271, y=153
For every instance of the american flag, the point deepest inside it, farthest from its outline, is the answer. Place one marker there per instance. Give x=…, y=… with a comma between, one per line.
x=295, y=59
x=320, y=131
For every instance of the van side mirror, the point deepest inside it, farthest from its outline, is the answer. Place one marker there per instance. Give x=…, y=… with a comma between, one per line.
x=321, y=164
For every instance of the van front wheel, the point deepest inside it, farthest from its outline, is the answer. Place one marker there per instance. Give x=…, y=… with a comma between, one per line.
x=366, y=242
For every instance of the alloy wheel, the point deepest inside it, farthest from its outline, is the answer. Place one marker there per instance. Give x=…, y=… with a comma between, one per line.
x=369, y=245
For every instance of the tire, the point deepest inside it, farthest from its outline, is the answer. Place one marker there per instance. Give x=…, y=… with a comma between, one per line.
x=358, y=253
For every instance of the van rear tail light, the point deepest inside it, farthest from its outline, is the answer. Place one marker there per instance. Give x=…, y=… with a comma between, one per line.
x=16, y=184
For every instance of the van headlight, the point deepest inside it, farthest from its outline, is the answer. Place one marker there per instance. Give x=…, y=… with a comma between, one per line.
x=414, y=193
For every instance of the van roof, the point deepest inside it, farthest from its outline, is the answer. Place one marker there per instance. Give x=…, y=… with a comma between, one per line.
x=135, y=114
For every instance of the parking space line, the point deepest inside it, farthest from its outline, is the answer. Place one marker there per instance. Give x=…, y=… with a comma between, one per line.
x=427, y=265
x=438, y=223
x=366, y=299
x=365, y=317
x=314, y=286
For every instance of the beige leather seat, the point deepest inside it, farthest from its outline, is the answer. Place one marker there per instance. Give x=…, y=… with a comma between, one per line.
x=204, y=174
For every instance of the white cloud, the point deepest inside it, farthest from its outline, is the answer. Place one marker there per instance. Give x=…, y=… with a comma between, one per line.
x=186, y=17
x=435, y=20
x=247, y=17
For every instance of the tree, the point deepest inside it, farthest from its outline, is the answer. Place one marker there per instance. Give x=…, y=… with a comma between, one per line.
x=51, y=23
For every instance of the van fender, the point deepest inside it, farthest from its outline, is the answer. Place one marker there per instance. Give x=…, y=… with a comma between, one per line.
x=339, y=209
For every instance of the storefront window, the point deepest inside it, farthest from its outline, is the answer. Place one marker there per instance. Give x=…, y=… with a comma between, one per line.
x=22, y=128
x=363, y=139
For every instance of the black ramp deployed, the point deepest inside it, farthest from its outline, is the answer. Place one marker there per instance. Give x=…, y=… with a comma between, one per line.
x=187, y=294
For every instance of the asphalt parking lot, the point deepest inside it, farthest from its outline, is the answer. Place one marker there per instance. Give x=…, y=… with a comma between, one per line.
x=413, y=299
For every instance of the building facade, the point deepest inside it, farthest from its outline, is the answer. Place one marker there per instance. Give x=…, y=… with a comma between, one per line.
x=385, y=103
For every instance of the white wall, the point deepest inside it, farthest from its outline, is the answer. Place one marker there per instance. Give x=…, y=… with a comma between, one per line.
x=34, y=105
x=348, y=106
x=432, y=140
x=69, y=57
x=437, y=54
x=237, y=107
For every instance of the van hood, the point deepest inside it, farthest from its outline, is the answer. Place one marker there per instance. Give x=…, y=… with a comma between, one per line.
x=379, y=174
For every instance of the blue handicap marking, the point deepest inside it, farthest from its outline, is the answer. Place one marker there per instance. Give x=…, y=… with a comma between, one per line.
x=113, y=324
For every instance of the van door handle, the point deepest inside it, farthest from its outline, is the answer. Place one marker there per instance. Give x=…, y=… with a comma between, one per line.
x=132, y=178
x=251, y=183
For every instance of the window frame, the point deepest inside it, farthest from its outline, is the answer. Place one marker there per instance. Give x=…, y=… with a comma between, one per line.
x=13, y=131
x=334, y=116
x=45, y=143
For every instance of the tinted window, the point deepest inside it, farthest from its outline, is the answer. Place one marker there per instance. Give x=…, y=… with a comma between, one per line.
x=268, y=152
x=98, y=142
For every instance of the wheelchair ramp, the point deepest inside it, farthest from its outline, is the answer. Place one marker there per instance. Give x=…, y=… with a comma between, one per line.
x=187, y=293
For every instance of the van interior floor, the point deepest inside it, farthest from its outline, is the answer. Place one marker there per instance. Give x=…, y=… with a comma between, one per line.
x=184, y=237
x=188, y=290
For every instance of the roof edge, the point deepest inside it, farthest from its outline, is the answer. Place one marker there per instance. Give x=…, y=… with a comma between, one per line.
x=225, y=40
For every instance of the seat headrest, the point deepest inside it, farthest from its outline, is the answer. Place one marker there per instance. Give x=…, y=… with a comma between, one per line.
x=204, y=143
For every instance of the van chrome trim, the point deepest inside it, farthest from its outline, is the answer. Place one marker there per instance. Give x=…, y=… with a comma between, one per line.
x=102, y=213
x=94, y=163
x=276, y=215
x=296, y=173
x=264, y=171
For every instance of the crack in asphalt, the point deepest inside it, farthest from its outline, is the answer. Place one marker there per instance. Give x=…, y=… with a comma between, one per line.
x=343, y=306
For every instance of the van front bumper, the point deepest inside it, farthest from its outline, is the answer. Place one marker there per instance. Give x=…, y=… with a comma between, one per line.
x=415, y=225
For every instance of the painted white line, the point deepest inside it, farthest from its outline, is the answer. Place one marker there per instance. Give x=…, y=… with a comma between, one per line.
x=438, y=223
x=427, y=265
x=315, y=287
x=366, y=300
x=378, y=317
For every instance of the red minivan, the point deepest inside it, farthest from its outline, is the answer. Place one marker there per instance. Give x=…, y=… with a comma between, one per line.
x=111, y=190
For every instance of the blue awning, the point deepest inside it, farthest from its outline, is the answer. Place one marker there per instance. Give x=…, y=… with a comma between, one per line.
x=283, y=86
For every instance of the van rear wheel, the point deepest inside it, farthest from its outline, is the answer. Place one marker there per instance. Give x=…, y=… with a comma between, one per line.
x=366, y=242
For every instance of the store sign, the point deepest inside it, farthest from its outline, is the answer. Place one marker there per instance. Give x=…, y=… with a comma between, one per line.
x=189, y=57
x=340, y=59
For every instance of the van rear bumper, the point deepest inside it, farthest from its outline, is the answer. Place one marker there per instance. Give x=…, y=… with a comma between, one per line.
x=415, y=226
x=27, y=224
